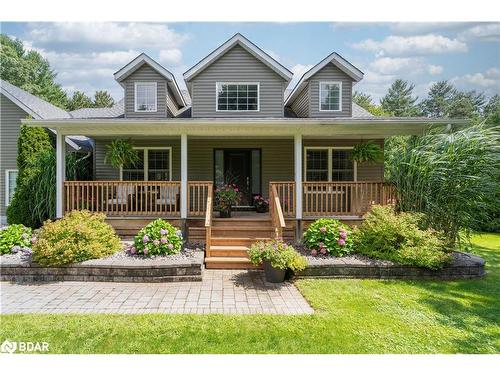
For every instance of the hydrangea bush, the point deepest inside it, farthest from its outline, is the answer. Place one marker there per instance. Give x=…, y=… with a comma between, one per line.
x=15, y=238
x=329, y=236
x=78, y=236
x=157, y=238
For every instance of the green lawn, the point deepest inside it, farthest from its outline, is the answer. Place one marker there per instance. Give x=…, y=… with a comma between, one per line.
x=352, y=316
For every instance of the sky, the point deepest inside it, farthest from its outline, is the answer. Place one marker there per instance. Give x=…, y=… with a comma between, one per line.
x=85, y=55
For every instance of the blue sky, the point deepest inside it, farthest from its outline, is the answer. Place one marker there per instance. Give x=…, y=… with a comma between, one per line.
x=86, y=55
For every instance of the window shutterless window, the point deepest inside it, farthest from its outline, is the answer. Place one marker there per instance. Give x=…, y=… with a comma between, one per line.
x=10, y=184
x=329, y=164
x=237, y=96
x=155, y=165
x=145, y=97
x=330, y=96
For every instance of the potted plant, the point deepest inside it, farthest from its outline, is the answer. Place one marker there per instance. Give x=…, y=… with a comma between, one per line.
x=367, y=152
x=226, y=196
x=261, y=204
x=277, y=257
x=121, y=152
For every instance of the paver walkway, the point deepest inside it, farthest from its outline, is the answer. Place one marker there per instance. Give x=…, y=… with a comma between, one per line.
x=221, y=291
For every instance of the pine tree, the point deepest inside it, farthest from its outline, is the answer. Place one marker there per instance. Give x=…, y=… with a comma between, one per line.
x=399, y=100
x=103, y=99
x=79, y=100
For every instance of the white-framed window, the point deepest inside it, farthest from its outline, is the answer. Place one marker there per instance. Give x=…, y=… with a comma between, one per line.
x=145, y=96
x=155, y=164
x=330, y=96
x=329, y=164
x=10, y=184
x=237, y=96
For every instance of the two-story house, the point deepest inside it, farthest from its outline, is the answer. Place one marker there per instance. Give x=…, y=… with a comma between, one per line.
x=240, y=126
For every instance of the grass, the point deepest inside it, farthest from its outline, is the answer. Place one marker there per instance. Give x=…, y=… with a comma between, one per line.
x=352, y=316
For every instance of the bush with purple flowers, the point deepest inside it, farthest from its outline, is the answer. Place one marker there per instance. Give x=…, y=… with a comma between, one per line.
x=329, y=237
x=15, y=238
x=157, y=238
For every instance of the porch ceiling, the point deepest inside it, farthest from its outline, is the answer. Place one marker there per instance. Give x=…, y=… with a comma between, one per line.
x=338, y=127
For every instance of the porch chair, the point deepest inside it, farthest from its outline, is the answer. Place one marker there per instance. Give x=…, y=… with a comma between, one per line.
x=123, y=192
x=168, y=196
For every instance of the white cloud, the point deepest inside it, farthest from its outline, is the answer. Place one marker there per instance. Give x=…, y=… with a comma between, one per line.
x=412, y=45
x=170, y=56
x=132, y=35
x=298, y=71
x=404, y=66
x=428, y=27
x=435, y=69
x=489, y=32
x=488, y=79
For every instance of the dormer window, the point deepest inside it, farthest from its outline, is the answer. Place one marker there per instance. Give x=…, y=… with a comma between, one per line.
x=241, y=97
x=145, y=97
x=330, y=96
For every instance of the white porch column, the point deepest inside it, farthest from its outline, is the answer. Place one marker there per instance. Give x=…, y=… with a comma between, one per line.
x=298, y=176
x=184, y=176
x=60, y=172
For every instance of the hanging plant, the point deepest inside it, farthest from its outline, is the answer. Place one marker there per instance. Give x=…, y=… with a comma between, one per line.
x=121, y=152
x=367, y=152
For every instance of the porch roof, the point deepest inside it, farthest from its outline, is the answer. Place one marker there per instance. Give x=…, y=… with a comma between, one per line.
x=324, y=127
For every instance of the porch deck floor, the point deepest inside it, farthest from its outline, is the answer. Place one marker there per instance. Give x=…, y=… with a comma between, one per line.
x=221, y=292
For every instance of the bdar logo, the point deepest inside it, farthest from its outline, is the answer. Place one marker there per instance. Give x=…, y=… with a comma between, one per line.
x=8, y=347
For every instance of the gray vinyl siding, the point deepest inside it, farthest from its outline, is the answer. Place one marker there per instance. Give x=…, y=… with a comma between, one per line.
x=172, y=107
x=145, y=74
x=330, y=73
x=105, y=171
x=365, y=171
x=301, y=104
x=237, y=65
x=10, y=124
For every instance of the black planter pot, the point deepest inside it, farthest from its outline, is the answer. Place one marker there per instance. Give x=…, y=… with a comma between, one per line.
x=225, y=213
x=261, y=209
x=273, y=275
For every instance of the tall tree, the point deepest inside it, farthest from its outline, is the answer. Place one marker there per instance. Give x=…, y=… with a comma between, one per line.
x=79, y=100
x=399, y=100
x=467, y=105
x=438, y=101
x=103, y=99
x=29, y=71
x=365, y=101
x=492, y=111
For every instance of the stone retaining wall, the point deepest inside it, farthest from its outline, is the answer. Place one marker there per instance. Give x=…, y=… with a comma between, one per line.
x=102, y=270
x=463, y=266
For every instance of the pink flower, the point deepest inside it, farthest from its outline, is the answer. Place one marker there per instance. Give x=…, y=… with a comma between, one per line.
x=145, y=239
x=34, y=239
x=322, y=229
x=163, y=232
x=170, y=246
x=133, y=250
x=343, y=234
x=145, y=251
x=321, y=244
x=164, y=240
x=341, y=242
x=156, y=242
x=323, y=250
x=314, y=252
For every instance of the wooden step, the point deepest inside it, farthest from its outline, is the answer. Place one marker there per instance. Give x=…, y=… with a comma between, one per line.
x=242, y=231
x=228, y=263
x=239, y=241
x=228, y=251
x=221, y=223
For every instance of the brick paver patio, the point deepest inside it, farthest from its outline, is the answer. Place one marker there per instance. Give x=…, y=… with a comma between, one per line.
x=221, y=291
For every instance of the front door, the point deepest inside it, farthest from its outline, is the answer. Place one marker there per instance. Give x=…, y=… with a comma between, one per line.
x=240, y=167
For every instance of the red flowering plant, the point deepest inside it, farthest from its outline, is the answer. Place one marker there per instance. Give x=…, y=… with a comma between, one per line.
x=226, y=196
x=261, y=204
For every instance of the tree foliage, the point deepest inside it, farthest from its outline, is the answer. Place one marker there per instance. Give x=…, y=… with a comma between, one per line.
x=79, y=100
x=365, y=101
x=103, y=99
x=399, y=100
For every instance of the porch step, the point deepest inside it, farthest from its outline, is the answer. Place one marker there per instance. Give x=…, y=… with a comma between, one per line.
x=243, y=231
x=228, y=251
x=232, y=223
x=228, y=263
x=238, y=241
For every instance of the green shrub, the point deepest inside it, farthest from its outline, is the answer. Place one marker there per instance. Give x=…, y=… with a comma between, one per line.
x=399, y=238
x=79, y=236
x=157, y=238
x=329, y=236
x=281, y=255
x=14, y=238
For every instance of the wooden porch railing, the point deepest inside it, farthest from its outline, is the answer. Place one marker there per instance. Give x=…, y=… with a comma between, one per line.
x=198, y=193
x=208, y=219
x=276, y=212
x=286, y=193
x=122, y=198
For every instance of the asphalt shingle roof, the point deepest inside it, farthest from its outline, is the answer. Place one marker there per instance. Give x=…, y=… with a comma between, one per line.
x=114, y=112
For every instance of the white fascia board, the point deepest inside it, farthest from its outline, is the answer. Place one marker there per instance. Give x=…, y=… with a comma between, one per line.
x=247, y=45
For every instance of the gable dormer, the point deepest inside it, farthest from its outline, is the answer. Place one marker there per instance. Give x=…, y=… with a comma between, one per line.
x=326, y=89
x=238, y=79
x=150, y=90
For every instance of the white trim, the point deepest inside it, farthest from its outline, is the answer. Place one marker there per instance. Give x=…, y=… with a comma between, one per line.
x=338, y=61
x=147, y=83
x=330, y=161
x=146, y=161
x=60, y=172
x=184, y=176
x=7, y=186
x=298, y=175
x=340, y=95
x=247, y=45
x=143, y=58
x=236, y=83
